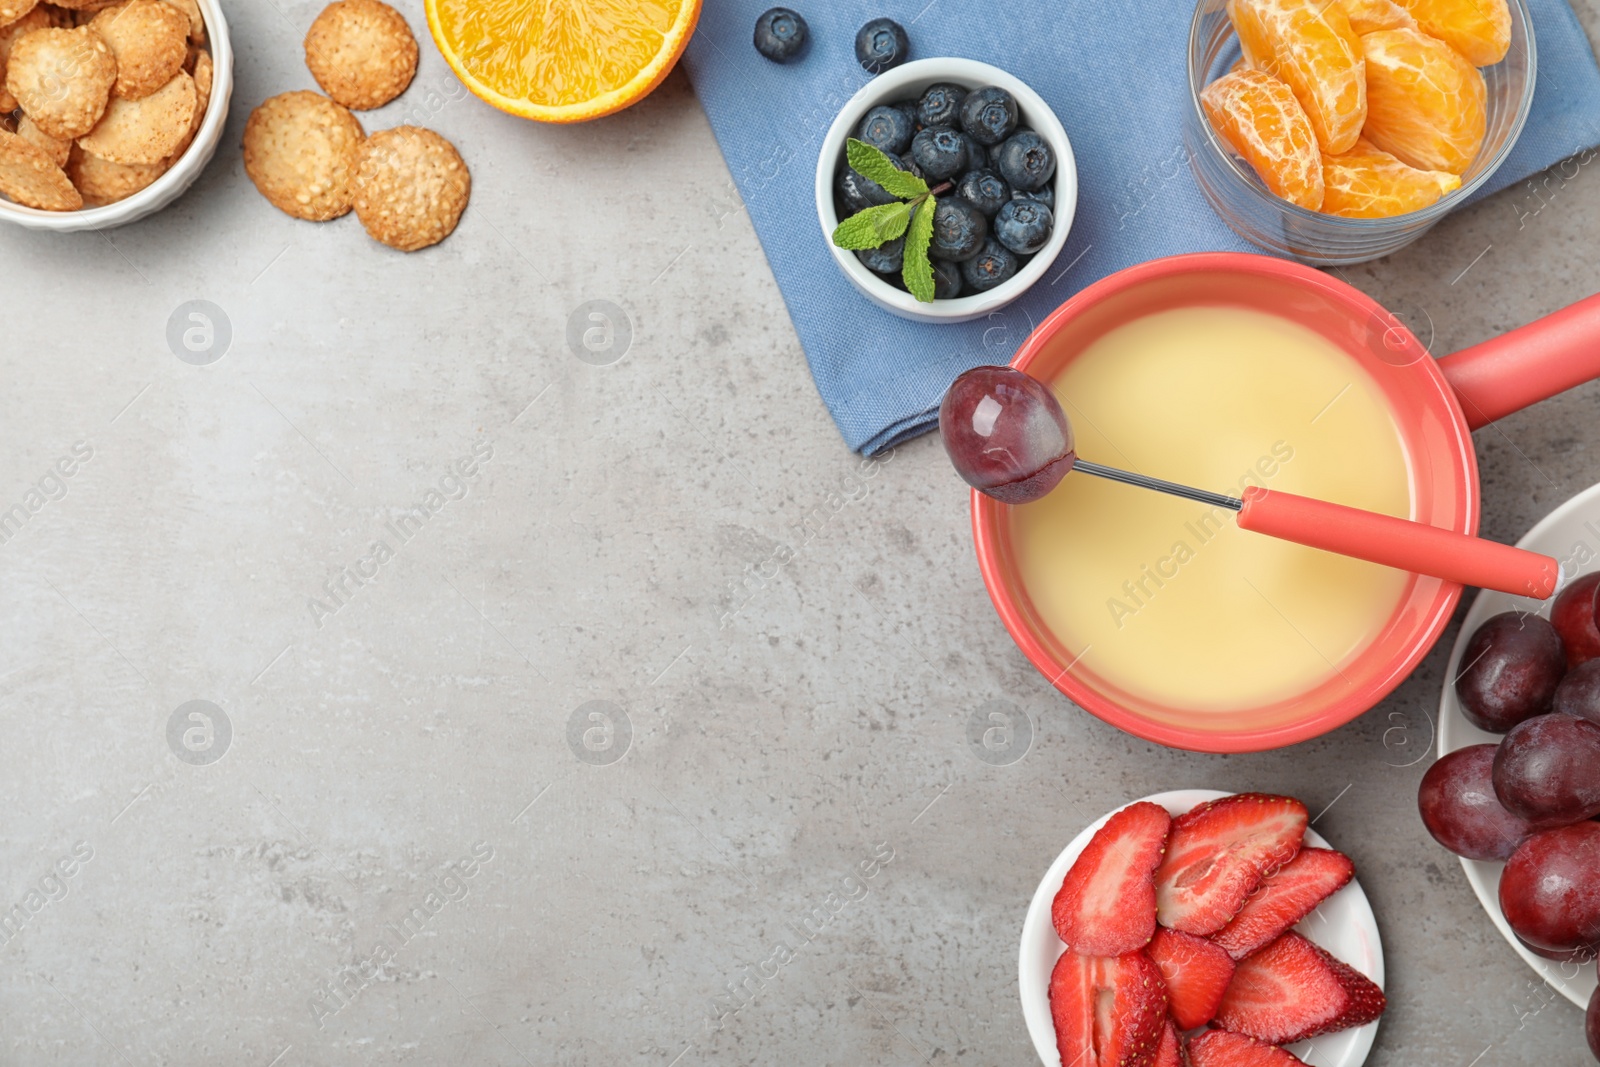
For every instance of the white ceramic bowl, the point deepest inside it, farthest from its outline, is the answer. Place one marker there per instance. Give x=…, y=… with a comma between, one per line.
x=1343, y=924
x=1560, y=534
x=912, y=80
x=171, y=185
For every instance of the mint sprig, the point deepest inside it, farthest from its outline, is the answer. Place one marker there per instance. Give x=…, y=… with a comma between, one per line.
x=912, y=216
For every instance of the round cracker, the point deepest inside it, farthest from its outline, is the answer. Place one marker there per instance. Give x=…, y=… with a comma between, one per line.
x=12, y=10
x=28, y=177
x=411, y=187
x=10, y=34
x=146, y=130
x=90, y=6
x=197, y=20
x=361, y=52
x=62, y=78
x=104, y=182
x=150, y=40
x=53, y=147
x=202, y=100
x=301, y=150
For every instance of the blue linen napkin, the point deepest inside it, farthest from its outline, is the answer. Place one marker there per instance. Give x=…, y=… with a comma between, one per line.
x=1114, y=73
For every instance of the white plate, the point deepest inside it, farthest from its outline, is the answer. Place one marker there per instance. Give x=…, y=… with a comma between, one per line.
x=1343, y=924
x=1570, y=533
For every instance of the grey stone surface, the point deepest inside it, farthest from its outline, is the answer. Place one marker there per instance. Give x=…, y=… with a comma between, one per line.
x=599, y=660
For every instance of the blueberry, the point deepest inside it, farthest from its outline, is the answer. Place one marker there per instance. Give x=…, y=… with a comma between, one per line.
x=780, y=34
x=959, y=230
x=886, y=258
x=881, y=44
x=1026, y=161
x=941, y=105
x=993, y=265
x=946, y=279
x=888, y=129
x=940, y=152
x=984, y=190
x=859, y=192
x=1024, y=226
x=909, y=109
x=1045, y=196
x=989, y=114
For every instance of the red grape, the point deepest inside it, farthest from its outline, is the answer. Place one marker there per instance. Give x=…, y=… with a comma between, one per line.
x=1550, y=889
x=1547, y=770
x=1576, y=615
x=1006, y=434
x=1510, y=670
x=1578, y=694
x=1591, y=1023
x=1461, y=811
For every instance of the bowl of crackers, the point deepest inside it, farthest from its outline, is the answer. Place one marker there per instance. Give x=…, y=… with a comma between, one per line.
x=108, y=111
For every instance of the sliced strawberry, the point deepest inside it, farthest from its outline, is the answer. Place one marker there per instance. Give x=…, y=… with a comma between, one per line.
x=1108, y=1011
x=1106, y=905
x=1292, y=990
x=1170, y=1052
x=1219, y=1048
x=1196, y=972
x=1284, y=898
x=1219, y=852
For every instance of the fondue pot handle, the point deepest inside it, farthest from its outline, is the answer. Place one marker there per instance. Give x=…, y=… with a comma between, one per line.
x=1537, y=361
x=1410, y=546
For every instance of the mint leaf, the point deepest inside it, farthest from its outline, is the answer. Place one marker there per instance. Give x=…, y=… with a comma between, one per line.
x=918, y=271
x=871, y=163
x=873, y=227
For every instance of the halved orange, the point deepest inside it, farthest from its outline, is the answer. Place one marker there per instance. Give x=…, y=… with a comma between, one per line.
x=562, y=60
x=1369, y=183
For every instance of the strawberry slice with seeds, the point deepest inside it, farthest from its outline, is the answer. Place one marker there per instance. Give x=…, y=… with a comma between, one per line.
x=1106, y=905
x=1284, y=898
x=1108, y=1011
x=1170, y=1052
x=1196, y=972
x=1219, y=852
x=1292, y=990
x=1219, y=1048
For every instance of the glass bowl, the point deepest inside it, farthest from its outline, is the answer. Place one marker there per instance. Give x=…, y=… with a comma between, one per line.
x=1245, y=204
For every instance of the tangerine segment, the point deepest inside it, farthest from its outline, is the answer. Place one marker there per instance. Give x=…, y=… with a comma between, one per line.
x=562, y=60
x=1425, y=102
x=1310, y=46
x=1369, y=15
x=1260, y=118
x=1368, y=183
x=1478, y=29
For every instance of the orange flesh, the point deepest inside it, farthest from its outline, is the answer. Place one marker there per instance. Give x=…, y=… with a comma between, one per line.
x=1309, y=45
x=1263, y=122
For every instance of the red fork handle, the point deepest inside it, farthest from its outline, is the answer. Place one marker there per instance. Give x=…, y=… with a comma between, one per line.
x=1529, y=364
x=1410, y=546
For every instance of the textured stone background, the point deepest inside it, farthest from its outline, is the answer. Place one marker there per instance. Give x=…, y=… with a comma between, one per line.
x=781, y=731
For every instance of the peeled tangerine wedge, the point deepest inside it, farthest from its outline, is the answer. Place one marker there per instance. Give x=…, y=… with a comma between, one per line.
x=1479, y=29
x=1310, y=46
x=562, y=60
x=1369, y=15
x=1260, y=118
x=1425, y=103
x=1368, y=183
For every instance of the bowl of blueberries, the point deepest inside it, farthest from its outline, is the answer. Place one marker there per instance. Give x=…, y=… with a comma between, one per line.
x=996, y=164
